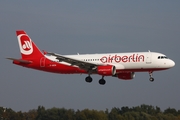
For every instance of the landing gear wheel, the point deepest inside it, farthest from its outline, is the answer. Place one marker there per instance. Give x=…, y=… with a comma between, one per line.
x=151, y=79
x=88, y=79
x=151, y=76
x=102, y=82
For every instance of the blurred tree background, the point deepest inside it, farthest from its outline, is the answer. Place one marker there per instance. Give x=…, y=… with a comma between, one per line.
x=142, y=112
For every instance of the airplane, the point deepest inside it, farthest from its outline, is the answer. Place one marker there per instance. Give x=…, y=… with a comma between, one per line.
x=120, y=65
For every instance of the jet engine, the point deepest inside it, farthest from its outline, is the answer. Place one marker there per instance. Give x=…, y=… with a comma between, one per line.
x=107, y=70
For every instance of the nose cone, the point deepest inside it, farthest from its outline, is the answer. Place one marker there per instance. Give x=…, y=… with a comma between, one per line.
x=171, y=63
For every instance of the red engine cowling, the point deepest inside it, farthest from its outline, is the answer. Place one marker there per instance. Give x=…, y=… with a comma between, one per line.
x=126, y=75
x=107, y=70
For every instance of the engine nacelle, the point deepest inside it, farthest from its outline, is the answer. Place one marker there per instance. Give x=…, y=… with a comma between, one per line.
x=107, y=70
x=126, y=75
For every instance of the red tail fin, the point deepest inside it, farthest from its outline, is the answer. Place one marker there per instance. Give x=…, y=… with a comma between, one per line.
x=27, y=47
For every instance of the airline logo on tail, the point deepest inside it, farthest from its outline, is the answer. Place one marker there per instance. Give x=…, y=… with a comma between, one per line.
x=25, y=44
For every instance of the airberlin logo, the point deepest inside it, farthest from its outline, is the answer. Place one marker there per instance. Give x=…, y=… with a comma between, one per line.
x=25, y=44
x=125, y=58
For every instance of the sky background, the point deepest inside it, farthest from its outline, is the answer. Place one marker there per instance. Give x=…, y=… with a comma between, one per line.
x=96, y=26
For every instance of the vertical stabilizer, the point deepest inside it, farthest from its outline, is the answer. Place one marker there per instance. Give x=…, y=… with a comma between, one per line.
x=27, y=47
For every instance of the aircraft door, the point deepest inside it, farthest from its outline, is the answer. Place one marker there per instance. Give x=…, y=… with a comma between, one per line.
x=148, y=58
x=42, y=62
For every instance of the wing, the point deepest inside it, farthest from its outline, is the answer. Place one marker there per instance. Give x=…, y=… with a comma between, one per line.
x=75, y=62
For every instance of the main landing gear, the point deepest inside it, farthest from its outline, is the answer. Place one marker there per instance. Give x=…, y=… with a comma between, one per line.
x=88, y=79
x=101, y=81
x=151, y=76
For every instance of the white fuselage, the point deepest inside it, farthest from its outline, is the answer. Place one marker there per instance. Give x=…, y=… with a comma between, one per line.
x=135, y=61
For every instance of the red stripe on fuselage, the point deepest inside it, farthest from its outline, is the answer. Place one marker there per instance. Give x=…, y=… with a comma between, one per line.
x=50, y=66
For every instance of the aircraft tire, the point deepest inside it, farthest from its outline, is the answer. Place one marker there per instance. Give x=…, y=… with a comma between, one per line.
x=151, y=79
x=88, y=79
x=102, y=82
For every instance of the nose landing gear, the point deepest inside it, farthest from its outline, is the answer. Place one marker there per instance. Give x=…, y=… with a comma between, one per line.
x=151, y=76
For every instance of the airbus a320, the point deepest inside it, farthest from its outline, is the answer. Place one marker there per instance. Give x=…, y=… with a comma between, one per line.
x=120, y=65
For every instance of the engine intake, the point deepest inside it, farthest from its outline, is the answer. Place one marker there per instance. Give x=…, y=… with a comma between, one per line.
x=107, y=70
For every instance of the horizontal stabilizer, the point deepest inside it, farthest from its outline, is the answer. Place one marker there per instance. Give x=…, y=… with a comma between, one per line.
x=20, y=60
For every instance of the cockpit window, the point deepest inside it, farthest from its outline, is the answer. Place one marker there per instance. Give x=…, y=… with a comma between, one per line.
x=162, y=57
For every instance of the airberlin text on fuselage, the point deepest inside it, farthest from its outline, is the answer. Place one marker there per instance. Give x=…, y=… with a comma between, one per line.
x=125, y=58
